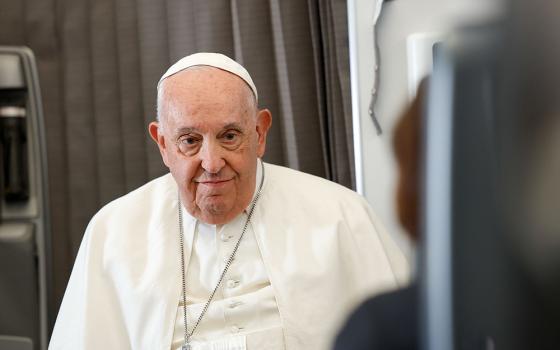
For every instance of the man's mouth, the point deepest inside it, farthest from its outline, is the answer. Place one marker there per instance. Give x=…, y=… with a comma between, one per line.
x=214, y=183
x=213, y=180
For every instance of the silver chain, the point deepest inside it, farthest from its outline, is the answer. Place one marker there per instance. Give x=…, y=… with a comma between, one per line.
x=187, y=335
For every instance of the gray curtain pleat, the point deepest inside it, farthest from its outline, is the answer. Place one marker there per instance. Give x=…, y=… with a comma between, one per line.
x=106, y=101
x=344, y=166
x=42, y=36
x=135, y=141
x=330, y=46
x=298, y=101
x=99, y=62
x=317, y=39
x=13, y=21
x=181, y=17
x=81, y=152
x=255, y=50
x=213, y=26
x=154, y=59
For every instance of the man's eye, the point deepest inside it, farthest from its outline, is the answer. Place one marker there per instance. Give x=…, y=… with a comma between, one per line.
x=188, y=140
x=230, y=136
x=188, y=144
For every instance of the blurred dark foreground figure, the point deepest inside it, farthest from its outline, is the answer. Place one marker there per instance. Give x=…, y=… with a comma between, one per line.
x=490, y=224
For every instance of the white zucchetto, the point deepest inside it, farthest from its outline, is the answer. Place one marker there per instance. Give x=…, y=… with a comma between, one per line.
x=211, y=59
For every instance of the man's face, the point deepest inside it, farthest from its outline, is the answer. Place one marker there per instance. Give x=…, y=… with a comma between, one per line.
x=210, y=135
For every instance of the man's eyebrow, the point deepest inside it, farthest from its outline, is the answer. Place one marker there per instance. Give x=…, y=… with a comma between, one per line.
x=189, y=129
x=185, y=130
x=236, y=126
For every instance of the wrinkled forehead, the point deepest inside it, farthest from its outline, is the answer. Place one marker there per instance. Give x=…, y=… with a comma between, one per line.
x=205, y=96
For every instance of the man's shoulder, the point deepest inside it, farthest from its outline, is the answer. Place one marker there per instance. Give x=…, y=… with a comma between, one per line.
x=295, y=180
x=141, y=198
x=301, y=190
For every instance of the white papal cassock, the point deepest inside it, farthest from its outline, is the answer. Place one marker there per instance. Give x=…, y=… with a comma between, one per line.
x=312, y=251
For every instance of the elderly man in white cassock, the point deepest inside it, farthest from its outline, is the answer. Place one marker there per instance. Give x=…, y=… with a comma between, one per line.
x=226, y=251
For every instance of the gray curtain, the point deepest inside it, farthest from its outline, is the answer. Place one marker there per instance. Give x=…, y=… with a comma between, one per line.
x=99, y=62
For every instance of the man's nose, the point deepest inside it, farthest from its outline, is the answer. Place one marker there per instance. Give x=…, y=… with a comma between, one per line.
x=212, y=157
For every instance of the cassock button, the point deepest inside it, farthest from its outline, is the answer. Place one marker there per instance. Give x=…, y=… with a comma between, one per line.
x=225, y=237
x=235, y=329
x=234, y=304
x=232, y=283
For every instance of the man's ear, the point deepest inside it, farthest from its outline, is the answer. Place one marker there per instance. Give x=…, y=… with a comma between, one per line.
x=264, y=121
x=155, y=132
